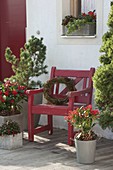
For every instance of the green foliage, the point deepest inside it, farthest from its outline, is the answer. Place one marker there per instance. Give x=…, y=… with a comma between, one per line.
x=103, y=83
x=107, y=48
x=107, y=42
x=106, y=119
x=30, y=64
x=75, y=25
x=9, y=128
x=72, y=24
x=110, y=18
x=67, y=19
x=103, y=77
x=11, y=94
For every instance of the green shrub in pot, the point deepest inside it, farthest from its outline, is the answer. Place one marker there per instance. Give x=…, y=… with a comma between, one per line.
x=30, y=64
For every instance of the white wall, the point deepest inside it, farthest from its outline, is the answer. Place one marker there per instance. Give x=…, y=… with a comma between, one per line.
x=42, y=16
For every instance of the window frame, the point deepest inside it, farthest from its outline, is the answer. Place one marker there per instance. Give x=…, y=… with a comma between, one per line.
x=63, y=10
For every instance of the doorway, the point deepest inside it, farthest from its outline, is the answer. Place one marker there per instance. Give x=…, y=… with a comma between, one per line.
x=12, y=31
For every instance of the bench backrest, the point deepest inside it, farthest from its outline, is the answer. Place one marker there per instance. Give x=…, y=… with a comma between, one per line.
x=82, y=80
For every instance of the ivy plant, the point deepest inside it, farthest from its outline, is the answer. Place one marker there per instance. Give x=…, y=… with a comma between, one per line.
x=72, y=23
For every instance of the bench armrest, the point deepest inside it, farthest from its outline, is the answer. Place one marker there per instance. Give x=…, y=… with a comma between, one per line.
x=78, y=93
x=34, y=91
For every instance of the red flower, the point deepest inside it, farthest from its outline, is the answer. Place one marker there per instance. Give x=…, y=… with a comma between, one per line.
x=89, y=107
x=94, y=112
x=14, y=92
x=21, y=87
x=83, y=118
x=6, y=93
x=90, y=13
x=66, y=118
x=25, y=92
x=83, y=14
x=2, y=99
x=12, y=101
x=8, y=131
x=10, y=94
x=7, y=83
x=94, y=16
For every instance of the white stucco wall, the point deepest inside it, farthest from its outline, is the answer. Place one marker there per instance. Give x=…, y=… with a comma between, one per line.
x=42, y=16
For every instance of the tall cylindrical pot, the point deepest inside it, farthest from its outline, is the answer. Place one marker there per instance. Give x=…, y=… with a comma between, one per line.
x=37, y=100
x=85, y=151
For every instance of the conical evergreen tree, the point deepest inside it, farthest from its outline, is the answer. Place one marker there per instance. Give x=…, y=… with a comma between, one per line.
x=30, y=64
x=103, y=78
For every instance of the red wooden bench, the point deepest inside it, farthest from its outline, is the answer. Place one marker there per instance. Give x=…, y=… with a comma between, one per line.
x=83, y=96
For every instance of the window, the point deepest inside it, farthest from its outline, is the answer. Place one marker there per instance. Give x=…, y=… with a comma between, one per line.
x=81, y=20
x=76, y=8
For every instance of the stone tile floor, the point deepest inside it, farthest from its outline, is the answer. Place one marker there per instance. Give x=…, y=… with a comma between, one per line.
x=51, y=152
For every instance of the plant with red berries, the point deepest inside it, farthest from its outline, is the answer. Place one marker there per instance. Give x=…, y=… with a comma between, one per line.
x=83, y=119
x=9, y=128
x=11, y=94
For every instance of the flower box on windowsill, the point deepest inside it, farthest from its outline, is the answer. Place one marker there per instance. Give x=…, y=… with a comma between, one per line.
x=86, y=30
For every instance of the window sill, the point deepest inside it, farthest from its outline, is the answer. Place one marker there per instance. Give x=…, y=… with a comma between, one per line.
x=77, y=37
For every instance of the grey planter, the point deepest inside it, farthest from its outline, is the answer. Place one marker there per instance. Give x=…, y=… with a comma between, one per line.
x=86, y=30
x=17, y=118
x=37, y=100
x=11, y=142
x=85, y=151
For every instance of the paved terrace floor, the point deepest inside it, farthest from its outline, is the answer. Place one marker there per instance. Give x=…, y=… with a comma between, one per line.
x=51, y=152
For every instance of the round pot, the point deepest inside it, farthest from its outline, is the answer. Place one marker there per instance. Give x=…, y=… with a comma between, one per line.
x=85, y=151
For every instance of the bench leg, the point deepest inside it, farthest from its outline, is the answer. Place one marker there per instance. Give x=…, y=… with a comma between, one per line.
x=30, y=127
x=50, y=123
x=70, y=135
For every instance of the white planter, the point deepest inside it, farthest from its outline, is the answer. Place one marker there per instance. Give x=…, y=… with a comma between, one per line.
x=85, y=151
x=11, y=142
x=17, y=118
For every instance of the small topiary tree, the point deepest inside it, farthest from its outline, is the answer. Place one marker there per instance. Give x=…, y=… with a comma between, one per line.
x=30, y=64
x=103, y=77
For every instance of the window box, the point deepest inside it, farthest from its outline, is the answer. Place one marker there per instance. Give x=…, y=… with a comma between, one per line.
x=86, y=30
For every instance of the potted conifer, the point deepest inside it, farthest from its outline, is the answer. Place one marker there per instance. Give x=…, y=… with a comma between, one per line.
x=30, y=65
x=103, y=77
x=28, y=68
